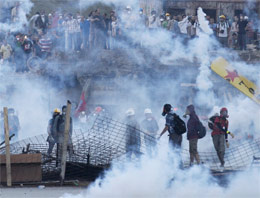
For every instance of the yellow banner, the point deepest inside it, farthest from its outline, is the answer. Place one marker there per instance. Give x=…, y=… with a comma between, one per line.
x=224, y=69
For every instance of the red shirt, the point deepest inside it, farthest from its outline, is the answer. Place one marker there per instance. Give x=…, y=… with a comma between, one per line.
x=220, y=121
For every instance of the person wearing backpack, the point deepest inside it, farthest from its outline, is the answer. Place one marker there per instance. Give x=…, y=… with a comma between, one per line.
x=192, y=134
x=220, y=134
x=174, y=125
x=52, y=137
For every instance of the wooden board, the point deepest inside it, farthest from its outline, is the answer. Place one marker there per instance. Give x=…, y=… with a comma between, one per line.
x=226, y=71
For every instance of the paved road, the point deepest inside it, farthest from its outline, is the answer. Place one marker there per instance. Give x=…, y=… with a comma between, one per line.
x=35, y=192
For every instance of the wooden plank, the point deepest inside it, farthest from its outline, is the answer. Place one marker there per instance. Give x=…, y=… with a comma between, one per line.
x=7, y=148
x=65, y=143
x=33, y=158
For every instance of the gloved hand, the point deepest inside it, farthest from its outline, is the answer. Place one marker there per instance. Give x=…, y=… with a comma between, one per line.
x=227, y=144
x=232, y=135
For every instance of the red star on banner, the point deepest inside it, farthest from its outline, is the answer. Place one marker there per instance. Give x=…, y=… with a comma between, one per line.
x=231, y=75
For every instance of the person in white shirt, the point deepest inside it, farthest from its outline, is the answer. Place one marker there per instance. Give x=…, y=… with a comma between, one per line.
x=234, y=33
x=153, y=21
x=223, y=31
x=183, y=25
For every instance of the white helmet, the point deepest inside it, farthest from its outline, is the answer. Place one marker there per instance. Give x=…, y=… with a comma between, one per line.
x=83, y=113
x=147, y=111
x=128, y=7
x=130, y=112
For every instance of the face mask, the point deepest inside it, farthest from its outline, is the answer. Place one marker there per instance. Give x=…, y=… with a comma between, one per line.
x=141, y=12
x=153, y=15
x=168, y=18
x=224, y=114
x=161, y=20
x=129, y=12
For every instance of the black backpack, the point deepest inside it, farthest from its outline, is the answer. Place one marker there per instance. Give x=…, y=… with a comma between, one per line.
x=179, y=125
x=201, y=130
x=212, y=121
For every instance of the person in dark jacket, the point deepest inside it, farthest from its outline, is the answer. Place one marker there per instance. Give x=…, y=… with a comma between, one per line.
x=174, y=138
x=52, y=137
x=242, y=23
x=150, y=127
x=59, y=129
x=220, y=134
x=133, y=138
x=192, y=134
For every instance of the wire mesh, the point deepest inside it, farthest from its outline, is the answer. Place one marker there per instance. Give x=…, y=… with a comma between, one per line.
x=95, y=149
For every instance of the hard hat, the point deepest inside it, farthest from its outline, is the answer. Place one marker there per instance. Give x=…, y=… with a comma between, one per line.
x=147, y=111
x=222, y=16
x=141, y=10
x=167, y=14
x=130, y=112
x=56, y=110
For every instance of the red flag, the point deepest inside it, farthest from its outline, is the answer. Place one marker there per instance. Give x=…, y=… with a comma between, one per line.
x=82, y=104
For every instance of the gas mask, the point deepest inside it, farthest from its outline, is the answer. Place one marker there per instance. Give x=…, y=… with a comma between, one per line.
x=224, y=114
x=164, y=112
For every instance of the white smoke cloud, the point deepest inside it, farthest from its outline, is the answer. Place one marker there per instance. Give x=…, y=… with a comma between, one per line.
x=162, y=177
x=21, y=20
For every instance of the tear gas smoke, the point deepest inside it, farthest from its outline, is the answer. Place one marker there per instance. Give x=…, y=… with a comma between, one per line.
x=151, y=177
x=161, y=177
x=19, y=18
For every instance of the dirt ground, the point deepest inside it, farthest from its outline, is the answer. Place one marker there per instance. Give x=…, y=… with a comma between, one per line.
x=35, y=192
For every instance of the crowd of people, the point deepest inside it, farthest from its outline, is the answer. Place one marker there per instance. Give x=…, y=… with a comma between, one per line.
x=46, y=34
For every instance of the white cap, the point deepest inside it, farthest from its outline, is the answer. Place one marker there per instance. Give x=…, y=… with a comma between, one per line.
x=147, y=111
x=130, y=112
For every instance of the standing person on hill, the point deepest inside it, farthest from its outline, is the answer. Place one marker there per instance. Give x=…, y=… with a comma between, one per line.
x=223, y=31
